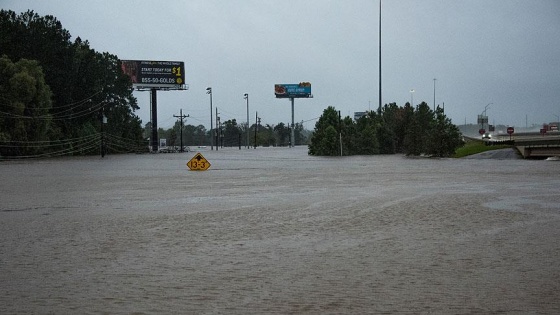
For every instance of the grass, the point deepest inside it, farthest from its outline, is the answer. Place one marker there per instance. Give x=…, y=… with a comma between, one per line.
x=474, y=147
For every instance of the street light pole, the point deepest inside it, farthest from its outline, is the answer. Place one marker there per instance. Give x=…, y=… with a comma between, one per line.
x=435, y=94
x=412, y=97
x=485, y=107
x=256, y=127
x=209, y=91
x=246, y=96
x=217, y=129
x=484, y=114
x=380, y=100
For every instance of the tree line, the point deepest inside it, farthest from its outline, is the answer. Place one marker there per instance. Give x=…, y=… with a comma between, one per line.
x=392, y=129
x=232, y=134
x=61, y=97
x=56, y=93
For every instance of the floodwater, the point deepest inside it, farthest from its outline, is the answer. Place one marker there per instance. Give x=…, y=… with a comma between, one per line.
x=275, y=231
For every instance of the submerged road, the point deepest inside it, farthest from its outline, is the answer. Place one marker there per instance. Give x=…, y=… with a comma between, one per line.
x=275, y=231
x=501, y=154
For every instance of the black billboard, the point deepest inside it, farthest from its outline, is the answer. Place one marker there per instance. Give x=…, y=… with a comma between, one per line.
x=164, y=74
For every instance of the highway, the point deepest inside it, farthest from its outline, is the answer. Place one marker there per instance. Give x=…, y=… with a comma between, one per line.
x=527, y=136
x=533, y=144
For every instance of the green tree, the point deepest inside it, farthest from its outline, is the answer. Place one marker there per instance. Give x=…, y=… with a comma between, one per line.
x=414, y=138
x=418, y=130
x=366, y=140
x=324, y=140
x=200, y=136
x=86, y=85
x=231, y=133
x=282, y=134
x=329, y=143
x=392, y=129
x=347, y=137
x=173, y=137
x=444, y=138
x=147, y=131
x=25, y=102
x=299, y=134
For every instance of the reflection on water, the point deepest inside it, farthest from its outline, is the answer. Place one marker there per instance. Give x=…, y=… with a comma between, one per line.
x=274, y=230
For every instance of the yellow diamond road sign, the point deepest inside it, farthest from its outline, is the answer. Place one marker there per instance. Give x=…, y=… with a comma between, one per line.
x=198, y=163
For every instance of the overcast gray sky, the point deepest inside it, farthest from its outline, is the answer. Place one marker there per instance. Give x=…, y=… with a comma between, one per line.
x=504, y=52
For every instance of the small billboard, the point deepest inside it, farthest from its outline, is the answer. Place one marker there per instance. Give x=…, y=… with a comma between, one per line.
x=154, y=74
x=358, y=115
x=301, y=90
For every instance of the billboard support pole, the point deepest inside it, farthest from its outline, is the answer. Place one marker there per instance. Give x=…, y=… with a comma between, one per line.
x=292, y=91
x=292, y=135
x=246, y=96
x=155, y=144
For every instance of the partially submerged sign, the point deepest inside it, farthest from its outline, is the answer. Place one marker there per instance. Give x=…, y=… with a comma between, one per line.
x=198, y=163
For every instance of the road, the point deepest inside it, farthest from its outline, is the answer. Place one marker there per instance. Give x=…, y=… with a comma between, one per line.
x=275, y=231
x=500, y=154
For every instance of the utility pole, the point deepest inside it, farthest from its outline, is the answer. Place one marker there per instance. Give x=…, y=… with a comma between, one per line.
x=103, y=122
x=181, y=116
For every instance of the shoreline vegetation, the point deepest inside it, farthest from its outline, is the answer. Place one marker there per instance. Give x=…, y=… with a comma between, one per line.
x=472, y=147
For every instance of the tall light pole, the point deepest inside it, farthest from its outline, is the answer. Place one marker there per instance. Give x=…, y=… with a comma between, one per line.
x=484, y=117
x=256, y=127
x=218, y=129
x=485, y=107
x=246, y=96
x=380, y=55
x=435, y=94
x=412, y=97
x=209, y=91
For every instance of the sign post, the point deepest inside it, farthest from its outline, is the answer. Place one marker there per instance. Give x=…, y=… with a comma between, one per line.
x=510, y=131
x=293, y=133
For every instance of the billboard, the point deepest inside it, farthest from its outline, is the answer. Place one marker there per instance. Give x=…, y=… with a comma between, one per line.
x=300, y=90
x=155, y=74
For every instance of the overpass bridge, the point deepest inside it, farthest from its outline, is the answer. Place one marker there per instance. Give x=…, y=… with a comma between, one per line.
x=532, y=144
x=539, y=148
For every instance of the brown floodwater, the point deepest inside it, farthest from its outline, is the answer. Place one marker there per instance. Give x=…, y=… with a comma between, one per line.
x=275, y=231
